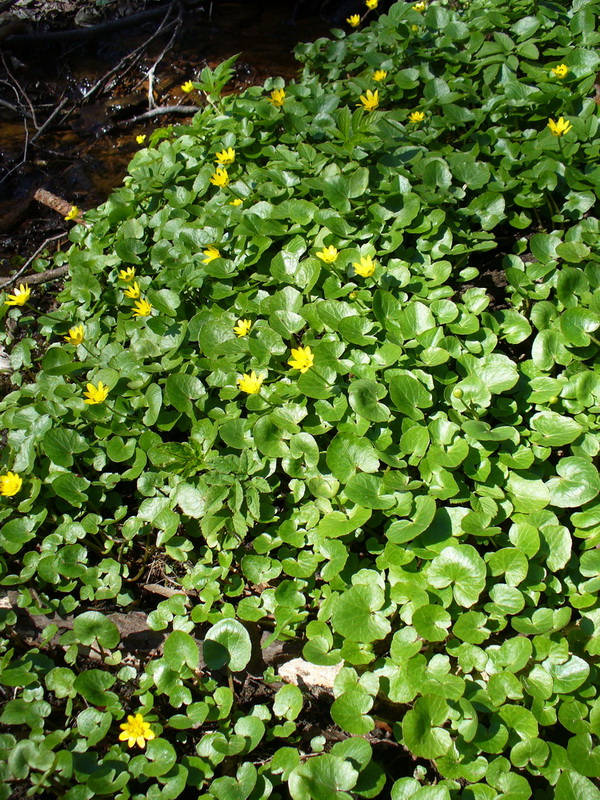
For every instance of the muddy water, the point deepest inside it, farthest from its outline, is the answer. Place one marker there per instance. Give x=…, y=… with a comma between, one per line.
x=85, y=156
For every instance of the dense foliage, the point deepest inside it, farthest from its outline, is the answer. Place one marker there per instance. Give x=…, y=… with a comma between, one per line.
x=414, y=498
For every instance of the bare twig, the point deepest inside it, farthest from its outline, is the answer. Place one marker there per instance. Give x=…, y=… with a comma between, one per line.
x=157, y=112
x=20, y=88
x=167, y=47
x=20, y=111
x=56, y=111
x=31, y=278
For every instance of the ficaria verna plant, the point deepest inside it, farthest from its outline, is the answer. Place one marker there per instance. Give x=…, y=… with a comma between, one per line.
x=323, y=383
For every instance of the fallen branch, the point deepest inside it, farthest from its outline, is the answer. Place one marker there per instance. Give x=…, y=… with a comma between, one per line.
x=90, y=32
x=157, y=112
x=38, y=277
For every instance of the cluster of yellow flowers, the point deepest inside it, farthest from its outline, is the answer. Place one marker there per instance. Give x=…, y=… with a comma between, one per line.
x=142, y=308
x=562, y=125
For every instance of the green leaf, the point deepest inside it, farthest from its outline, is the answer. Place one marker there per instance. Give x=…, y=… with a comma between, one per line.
x=368, y=491
x=350, y=711
x=92, y=625
x=357, y=616
x=227, y=642
x=60, y=444
x=363, y=396
x=409, y=395
x=181, y=650
x=326, y=777
x=461, y=567
x=288, y=702
x=577, y=483
x=348, y=453
x=573, y=786
x=432, y=622
x=421, y=728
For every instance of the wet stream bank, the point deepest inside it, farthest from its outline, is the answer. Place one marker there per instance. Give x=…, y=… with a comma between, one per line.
x=82, y=155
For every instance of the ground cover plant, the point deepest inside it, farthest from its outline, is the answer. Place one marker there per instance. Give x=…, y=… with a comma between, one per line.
x=325, y=377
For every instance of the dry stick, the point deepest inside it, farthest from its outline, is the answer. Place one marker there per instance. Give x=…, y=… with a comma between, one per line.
x=37, y=277
x=166, y=48
x=20, y=111
x=157, y=112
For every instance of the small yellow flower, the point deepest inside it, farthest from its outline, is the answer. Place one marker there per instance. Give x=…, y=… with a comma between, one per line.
x=236, y=202
x=95, y=394
x=371, y=4
x=416, y=116
x=211, y=253
x=250, y=383
x=133, y=291
x=371, y=101
x=560, y=126
x=76, y=335
x=187, y=87
x=225, y=157
x=243, y=327
x=220, y=178
x=73, y=214
x=420, y=7
x=10, y=484
x=142, y=308
x=560, y=71
x=365, y=267
x=136, y=731
x=20, y=297
x=379, y=75
x=127, y=274
x=353, y=20
x=302, y=359
x=141, y=138
x=277, y=97
x=414, y=28
x=328, y=254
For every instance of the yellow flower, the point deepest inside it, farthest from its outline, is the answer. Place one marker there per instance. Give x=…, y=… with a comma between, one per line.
x=134, y=291
x=95, y=394
x=141, y=138
x=136, y=731
x=73, y=214
x=127, y=274
x=414, y=28
x=302, y=359
x=379, y=75
x=328, y=254
x=226, y=156
x=365, y=267
x=10, y=484
x=559, y=127
x=560, y=71
x=211, y=253
x=371, y=4
x=220, y=178
x=277, y=97
x=243, y=327
x=236, y=202
x=420, y=6
x=76, y=335
x=371, y=101
x=416, y=116
x=353, y=20
x=142, y=308
x=20, y=297
x=187, y=87
x=250, y=383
